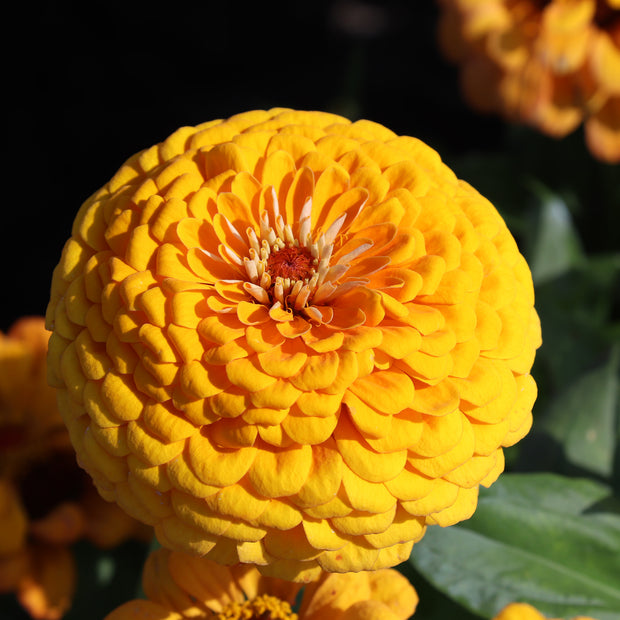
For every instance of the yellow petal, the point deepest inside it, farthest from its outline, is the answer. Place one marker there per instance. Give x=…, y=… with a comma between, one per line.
x=183, y=478
x=246, y=374
x=460, y=510
x=351, y=558
x=149, y=446
x=323, y=480
x=321, y=535
x=280, y=515
x=219, y=466
x=436, y=466
x=409, y=485
x=366, y=496
x=284, y=361
x=310, y=430
x=203, y=380
x=279, y=473
x=290, y=545
x=238, y=500
x=318, y=372
x=368, y=421
x=364, y=461
x=403, y=529
x=387, y=391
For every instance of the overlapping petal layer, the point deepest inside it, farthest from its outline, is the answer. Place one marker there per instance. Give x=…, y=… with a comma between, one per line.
x=552, y=65
x=178, y=585
x=294, y=341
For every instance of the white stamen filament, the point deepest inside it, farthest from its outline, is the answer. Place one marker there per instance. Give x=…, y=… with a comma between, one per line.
x=258, y=292
x=347, y=258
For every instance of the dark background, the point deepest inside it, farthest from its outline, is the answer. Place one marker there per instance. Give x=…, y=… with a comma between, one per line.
x=90, y=83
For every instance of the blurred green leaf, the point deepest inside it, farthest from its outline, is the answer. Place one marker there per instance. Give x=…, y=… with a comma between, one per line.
x=583, y=418
x=540, y=538
x=555, y=246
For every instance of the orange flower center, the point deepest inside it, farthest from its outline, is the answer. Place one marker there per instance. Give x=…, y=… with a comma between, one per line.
x=264, y=607
x=287, y=268
x=292, y=263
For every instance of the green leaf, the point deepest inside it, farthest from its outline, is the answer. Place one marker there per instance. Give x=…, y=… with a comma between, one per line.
x=583, y=418
x=551, y=541
x=556, y=247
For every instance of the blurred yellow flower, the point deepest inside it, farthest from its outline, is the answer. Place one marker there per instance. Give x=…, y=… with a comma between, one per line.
x=294, y=341
x=46, y=501
x=552, y=64
x=178, y=585
x=523, y=611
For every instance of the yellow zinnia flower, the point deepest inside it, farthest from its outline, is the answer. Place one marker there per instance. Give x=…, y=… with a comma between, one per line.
x=179, y=586
x=523, y=611
x=291, y=340
x=46, y=500
x=552, y=64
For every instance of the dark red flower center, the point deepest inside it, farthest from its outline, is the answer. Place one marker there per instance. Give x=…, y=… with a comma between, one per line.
x=290, y=262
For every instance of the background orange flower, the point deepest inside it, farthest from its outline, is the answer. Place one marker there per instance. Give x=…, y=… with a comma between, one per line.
x=552, y=65
x=46, y=501
x=182, y=586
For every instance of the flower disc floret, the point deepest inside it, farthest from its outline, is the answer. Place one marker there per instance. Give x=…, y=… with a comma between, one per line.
x=294, y=341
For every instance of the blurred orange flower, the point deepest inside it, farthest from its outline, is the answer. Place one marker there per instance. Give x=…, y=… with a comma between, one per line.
x=178, y=586
x=523, y=611
x=46, y=501
x=291, y=340
x=552, y=64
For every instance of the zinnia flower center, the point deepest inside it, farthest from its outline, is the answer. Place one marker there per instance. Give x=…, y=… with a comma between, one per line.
x=292, y=263
x=264, y=607
x=287, y=268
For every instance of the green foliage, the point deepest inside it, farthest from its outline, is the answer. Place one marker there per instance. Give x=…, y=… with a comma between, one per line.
x=549, y=540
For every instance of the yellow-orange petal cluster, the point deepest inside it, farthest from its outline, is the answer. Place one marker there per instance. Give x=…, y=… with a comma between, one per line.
x=46, y=501
x=524, y=611
x=290, y=340
x=178, y=585
x=550, y=64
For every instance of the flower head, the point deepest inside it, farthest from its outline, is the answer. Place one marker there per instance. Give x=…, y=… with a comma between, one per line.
x=179, y=585
x=46, y=500
x=523, y=611
x=291, y=340
x=552, y=65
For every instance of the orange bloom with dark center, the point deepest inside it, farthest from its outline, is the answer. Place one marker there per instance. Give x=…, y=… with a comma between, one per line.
x=46, y=501
x=551, y=64
x=181, y=586
x=290, y=340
